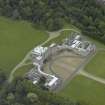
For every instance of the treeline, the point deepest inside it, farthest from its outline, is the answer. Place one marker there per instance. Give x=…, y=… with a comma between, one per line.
x=87, y=15
x=23, y=92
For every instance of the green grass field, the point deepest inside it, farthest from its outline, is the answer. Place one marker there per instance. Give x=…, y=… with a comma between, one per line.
x=16, y=39
x=97, y=65
x=23, y=70
x=66, y=33
x=97, y=43
x=86, y=91
x=60, y=38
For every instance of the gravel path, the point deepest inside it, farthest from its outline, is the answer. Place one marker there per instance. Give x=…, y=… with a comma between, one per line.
x=52, y=35
x=79, y=70
x=90, y=76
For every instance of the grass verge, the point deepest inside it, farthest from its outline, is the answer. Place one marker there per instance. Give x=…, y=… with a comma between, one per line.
x=85, y=91
x=16, y=39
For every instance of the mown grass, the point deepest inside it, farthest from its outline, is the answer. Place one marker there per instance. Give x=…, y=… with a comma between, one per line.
x=97, y=65
x=16, y=39
x=19, y=37
x=66, y=33
x=96, y=42
x=85, y=91
x=59, y=39
x=23, y=70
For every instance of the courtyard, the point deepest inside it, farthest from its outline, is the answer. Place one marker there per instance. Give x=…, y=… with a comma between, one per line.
x=64, y=64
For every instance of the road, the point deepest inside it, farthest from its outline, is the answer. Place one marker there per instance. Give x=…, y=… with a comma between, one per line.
x=77, y=71
x=52, y=35
x=90, y=76
x=18, y=66
x=80, y=71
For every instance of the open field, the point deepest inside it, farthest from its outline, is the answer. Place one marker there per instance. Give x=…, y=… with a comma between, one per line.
x=97, y=65
x=23, y=70
x=86, y=91
x=66, y=33
x=16, y=39
x=60, y=38
x=63, y=64
x=19, y=37
x=82, y=89
x=96, y=42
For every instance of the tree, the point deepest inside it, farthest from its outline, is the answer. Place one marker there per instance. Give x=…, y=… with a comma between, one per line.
x=2, y=77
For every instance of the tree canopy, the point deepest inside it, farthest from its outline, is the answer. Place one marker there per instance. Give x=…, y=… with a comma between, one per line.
x=22, y=92
x=88, y=15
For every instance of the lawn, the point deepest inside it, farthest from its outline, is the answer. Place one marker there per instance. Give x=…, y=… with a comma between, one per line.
x=23, y=70
x=97, y=65
x=86, y=91
x=60, y=38
x=96, y=42
x=66, y=33
x=16, y=39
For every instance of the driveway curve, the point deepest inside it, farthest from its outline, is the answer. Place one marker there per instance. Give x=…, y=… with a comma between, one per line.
x=52, y=35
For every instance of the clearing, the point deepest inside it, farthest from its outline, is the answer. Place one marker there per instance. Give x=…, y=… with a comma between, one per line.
x=63, y=64
x=97, y=65
x=86, y=91
x=16, y=39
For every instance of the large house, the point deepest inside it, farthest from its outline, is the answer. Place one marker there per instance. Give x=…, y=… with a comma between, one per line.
x=40, y=54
